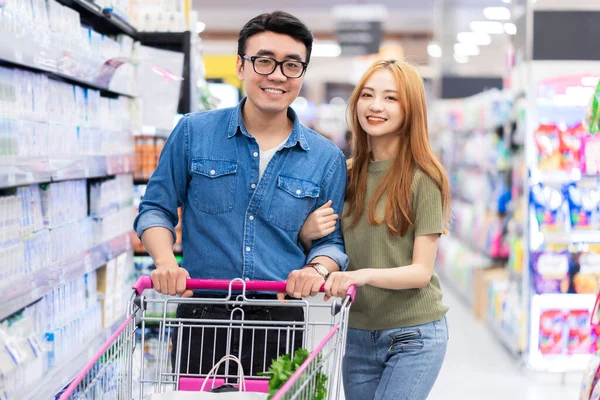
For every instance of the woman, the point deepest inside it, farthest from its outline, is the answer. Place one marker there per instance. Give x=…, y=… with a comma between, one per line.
x=397, y=206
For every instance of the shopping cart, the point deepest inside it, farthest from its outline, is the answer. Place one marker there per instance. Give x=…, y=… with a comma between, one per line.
x=124, y=370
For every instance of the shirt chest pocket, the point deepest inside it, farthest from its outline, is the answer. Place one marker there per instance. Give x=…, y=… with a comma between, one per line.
x=293, y=200
x=212, y=188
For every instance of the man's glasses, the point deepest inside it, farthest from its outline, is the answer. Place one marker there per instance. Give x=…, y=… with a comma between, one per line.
x=266, y=66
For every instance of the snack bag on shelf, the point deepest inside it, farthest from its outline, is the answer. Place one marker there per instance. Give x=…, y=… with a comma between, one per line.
x=570, y=147
x=547, y=140
x=551, y=209
x=584, y=204
x=595, y=333
x=551, y=271
x=552, y=339
x=579, y=332
x=593, y=117
x=590, y=154
x=586, y=270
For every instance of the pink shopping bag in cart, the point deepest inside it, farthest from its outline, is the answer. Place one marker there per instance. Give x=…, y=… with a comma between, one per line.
x=205, y=392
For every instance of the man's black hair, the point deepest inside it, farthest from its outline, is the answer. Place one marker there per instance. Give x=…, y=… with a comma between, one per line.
x=278, y=22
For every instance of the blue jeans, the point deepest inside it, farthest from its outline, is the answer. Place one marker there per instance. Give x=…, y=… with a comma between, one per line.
x=399, y=364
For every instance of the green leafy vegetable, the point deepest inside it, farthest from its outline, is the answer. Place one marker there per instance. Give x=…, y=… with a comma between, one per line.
x=284, y=367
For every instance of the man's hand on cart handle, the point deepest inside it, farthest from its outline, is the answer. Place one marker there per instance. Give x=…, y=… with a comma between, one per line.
x=302, y=283
x=171, y=280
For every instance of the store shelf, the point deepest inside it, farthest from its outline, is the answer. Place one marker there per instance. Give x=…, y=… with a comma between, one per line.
x=12, y=57
x=62, y=374
x=461, y=292
x=509, y=342
x=29, y=170
x=101, y=20
x=174, y=41
x=18, y=294
x=571, y=237
x=140, y=181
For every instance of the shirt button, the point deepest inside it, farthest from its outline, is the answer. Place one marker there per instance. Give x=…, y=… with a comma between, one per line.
x=255, y=154
x=251, y=218
x=253, y=186
x=298, y=191
x=247, y=249
x=247, y=279
x=212, y=172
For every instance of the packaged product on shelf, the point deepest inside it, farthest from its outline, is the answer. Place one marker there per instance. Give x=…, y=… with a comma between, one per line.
x=551, y=208
x=595, y=346
x=584, y=204
x=591, y=154
x=552, y=340
x=570, y=146
x=547, y=139
x=550, y=270
x=586, y=270
x=579, y=332
x=593, y=117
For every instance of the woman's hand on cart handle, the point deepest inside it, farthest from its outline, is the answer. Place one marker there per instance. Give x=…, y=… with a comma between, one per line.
x=340, y=284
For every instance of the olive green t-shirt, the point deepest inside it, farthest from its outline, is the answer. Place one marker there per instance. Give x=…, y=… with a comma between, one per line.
x=369, y=246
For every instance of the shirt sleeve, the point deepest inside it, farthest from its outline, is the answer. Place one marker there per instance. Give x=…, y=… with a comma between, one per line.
x=427, y=205
x=167, y=188
x=333, y=188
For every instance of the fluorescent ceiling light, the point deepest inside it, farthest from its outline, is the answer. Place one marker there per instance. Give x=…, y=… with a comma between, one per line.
x=434, y=50
x=489, y=27
x=200, y=26
x=461, y=59
x=510, y=28
x=480, y=39
x=326, y=49
x=466, y=49
x=497, y=13
x=507, y=1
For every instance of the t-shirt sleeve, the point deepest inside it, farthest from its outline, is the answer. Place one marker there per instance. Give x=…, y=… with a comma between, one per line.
x=427, y=206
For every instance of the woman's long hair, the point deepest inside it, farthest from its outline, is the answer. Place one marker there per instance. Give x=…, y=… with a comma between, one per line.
x=414, y=153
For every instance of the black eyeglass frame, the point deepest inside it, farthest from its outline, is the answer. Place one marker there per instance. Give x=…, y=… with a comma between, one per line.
x=277, y=64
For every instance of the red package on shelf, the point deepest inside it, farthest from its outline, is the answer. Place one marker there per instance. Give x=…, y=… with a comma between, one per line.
x=552, y=339
x=579, y=336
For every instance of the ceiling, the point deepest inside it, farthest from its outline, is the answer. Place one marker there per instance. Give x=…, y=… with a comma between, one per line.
x=428, y=19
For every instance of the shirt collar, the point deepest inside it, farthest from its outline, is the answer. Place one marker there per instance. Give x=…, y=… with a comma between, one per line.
x=236, y=125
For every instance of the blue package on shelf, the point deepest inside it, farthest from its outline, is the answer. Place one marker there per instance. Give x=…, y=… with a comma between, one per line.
x=584, y=204
x=551, y=208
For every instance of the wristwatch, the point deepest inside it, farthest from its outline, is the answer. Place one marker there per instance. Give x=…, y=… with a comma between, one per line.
x=320, y=268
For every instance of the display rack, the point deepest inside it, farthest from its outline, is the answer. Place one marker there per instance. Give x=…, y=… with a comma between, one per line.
x=29, y=170
x=18, y=295
x=55, y=381
x=103, y=21
x=557, y=93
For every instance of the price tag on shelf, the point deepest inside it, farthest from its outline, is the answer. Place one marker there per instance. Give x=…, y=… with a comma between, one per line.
x=12, y=179
x=29, y=177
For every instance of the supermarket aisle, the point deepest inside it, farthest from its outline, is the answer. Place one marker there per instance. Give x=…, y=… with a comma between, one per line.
x=477, y=367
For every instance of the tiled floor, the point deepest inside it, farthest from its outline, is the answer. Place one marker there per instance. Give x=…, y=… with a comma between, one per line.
x=478, y=368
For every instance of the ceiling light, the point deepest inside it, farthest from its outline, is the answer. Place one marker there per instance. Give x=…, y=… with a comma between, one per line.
x=434, y=50
x=200, y=27
x=510, y=28
x=326, y=49
x=507, y=1
x=480, y=39
x=461, y=59
x=466, y=49
x=497, y=13
x=489, y=27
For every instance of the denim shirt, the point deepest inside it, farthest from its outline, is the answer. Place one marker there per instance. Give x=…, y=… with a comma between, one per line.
x=235, y=226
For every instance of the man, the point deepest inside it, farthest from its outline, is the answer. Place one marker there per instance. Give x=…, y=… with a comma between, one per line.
x=247, y=178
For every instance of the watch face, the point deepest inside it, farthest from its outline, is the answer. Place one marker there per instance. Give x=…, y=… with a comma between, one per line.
x=322, y=270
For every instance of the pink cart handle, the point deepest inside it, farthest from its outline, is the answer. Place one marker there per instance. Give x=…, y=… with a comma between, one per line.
x=145, y=282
